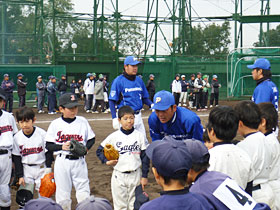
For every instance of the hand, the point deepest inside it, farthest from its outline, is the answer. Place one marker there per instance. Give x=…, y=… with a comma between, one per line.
x=66, y=146
x=21, y=181
x=111, y=162
x=116, y=124
x=143, y=182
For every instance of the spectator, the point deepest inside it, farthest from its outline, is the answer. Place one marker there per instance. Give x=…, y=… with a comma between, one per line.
x=21, y=85
x=80, y=86
x=8, y=87
x=198, y=85
x=184, y=93
x=99, y=95
x=106, y=89
x=176, y=88
x=52, y=89
x=89, y=91
x=41, y=88
x=62, y=85
x=206, y=86
x=151, y=88
x=215, y=85
x=192, y=103
x=74, y=87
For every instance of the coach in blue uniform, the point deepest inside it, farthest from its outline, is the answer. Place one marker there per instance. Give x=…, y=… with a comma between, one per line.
x=129, y=89
x=170, y=120
x=266, y=90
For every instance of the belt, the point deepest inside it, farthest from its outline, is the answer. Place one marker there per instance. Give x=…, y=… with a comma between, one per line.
x=41, y=165
x=128, y=172
x=70, y=157
x=137, y=112
x=3, y=151
x=257, y=187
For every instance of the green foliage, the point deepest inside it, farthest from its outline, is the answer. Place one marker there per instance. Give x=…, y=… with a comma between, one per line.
x=271, y=38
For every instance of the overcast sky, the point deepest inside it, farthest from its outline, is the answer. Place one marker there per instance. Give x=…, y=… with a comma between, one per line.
x=200, y=8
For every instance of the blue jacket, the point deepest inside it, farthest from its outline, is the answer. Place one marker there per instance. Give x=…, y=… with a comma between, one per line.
x=8, y=86
x=266, y=91
x=185, y=124
x=51, y=88
x=177, y=200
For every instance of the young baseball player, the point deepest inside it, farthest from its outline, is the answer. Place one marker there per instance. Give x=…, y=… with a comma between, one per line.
x=7, y=129
x=171, y=162
x=131, y=146
x=255, y=145
x=220, y=190
x=29, y=149
x=267, y=126
x=68, y=168
x=226, y=157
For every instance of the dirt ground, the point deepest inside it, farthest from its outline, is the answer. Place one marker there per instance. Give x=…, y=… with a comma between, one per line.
x=100, y=174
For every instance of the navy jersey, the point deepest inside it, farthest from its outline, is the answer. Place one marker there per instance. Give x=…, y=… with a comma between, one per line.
x=129, y=92
x=185, y=124
x=266, y=91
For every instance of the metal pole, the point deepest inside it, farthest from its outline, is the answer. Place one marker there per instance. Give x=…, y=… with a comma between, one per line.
x=54, y=36
x=117, y=36
x=261, y=25
x=235, y=25
x=267, y=29
x=102, y=28
x=241, y=25
x=147, y=27
x=41, y=31
x=156, y=29
x=95, y=27
x=183, y=26
x=3, y=30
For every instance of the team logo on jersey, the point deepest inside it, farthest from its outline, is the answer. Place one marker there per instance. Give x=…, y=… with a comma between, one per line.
x=113, y=93
x=68, y=137
x=30, y=151
x=158, y=99
x=132, y=89
x=5, y=129
x=133, y=148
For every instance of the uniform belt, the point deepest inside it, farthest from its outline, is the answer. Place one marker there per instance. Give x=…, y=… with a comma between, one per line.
x=70, y=157
x=128, y=172
x=41, y=165
x=3, y=151
x=137, y=112
x=257, y=187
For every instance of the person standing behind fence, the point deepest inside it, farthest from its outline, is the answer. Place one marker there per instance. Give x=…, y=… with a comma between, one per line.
x=52, y=89
x=41, y=90
x=176, y=88
x=206, y=86
x=99, y=95
x=215, y=85
x=74, y=87
x=21, y=86
x=106, y=89
x=191, y=95
x=62, y=85
x=80, y=86
x=89, y=91
x=8, y=87
x=198, y=85
x=151, y=87
x=184, y=93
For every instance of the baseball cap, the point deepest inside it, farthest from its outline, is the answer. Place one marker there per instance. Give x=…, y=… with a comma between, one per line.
x=197, y=150
x=20, y=75
x=198, y=73
x=6, y=75
x=131, y=60
x=68, y=100
x=215, y=76
x=163, y=100
x=94, y=203
x=100, y=76
x=151, y=75
x=93, y=74
x=2, y=93
x=42, y=203
x=39, y=77
x=89, y=74
x=183, y=76
x=205, y=76
x=171, y=158
x=141, y=197
x=193, y=75
x=260, y=63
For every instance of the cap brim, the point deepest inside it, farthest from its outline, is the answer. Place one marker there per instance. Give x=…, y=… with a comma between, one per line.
x=251, y=66
x=2, y=96
x=161, y=107
x=71, y=105
x=134, y=63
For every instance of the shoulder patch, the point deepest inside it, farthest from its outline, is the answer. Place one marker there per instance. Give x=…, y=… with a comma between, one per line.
x=113, y=93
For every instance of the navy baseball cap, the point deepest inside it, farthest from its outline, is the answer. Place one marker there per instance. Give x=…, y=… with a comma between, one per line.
x=6, y=75
x=94, y=203
x=131, y=60
x=171, y=158
x=197, y=150
x=260, y=63
x=42, y=203
x=20, y=75
x=163, y=100
x=68, y=100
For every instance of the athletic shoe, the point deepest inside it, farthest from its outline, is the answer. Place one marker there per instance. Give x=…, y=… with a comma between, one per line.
x=184, y=104
x=41, y=111
x=107, y=110
x=211, y=106
x=203, y=109
x=217, y=105
x=51, y=112
x=206, y=107
x=179, y=104
x=199, y=110
x=94, y=112
x=88, y=111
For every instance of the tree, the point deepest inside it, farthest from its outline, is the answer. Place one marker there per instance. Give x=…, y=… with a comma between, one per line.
x=271, y=38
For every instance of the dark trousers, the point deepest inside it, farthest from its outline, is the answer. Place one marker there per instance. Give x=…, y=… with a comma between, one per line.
x=176, y=97
x=21, y=101
x=41, y=100
x=9, y=101
x=204, y=99
x=52, y=102
x=97, y=103
x=216, y=97
x=89, y=98
x=198, y=97
x=152, y=94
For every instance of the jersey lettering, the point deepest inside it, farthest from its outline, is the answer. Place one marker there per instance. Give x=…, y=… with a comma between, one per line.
x=5, y=128
x=133, y=148
x=67, y=137
x=132, y=89
x=242, y=199
x=30, y=151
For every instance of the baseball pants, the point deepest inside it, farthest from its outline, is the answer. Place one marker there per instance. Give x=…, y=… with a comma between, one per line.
x=9, y=101
x=52, y=102
x=5, y=171
x=33, y=174
x=123, y=189
x=41, y=99
x=139, y=125
x=21, y=101
x=183, y=97
x=67, y=172
x=264, y=195
x=176, y=97
x=214, y=96
x=89, y=99
x=275, y=186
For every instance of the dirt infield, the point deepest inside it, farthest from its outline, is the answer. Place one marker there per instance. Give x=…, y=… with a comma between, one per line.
x=99, y=174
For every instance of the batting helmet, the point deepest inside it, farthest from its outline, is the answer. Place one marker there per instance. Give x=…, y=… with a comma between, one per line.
x=24, y=194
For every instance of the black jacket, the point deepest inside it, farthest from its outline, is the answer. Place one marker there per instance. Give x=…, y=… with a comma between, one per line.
x=21, y=87
x=62, y=85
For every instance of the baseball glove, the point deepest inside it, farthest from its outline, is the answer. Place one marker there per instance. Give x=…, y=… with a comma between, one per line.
x=110, y=152
x=48, y=186
x=77, y=149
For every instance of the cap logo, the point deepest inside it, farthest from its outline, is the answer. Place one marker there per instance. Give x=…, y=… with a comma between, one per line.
x=158, y=99
x=135, y=59
x=72, y=97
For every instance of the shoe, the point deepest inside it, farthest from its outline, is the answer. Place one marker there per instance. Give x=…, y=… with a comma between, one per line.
x=108, y=110
x=199, y=110
x=203, y=109
x=211, y=106
x=217, y=105
x=180, y=104
x=95, y=112
x=51, y=112
x=105, y=112
x=184, y=104
x=206, y=107
x=88, y=111
x=41, y=111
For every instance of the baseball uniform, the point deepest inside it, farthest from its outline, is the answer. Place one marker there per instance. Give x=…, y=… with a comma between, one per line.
x=7, y=129
x=185, y=124
x=127, y=172
x=31, y=149
x=70, y=169
x=256, y=147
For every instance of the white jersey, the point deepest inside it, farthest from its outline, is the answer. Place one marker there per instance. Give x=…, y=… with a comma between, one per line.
x=31, y=149
x=232, y=161
x=176, y=86
x=8, y=128
x=60, y=132
x=89, y=86
x=129, y=148
x=274, y=147
x=256, y=148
